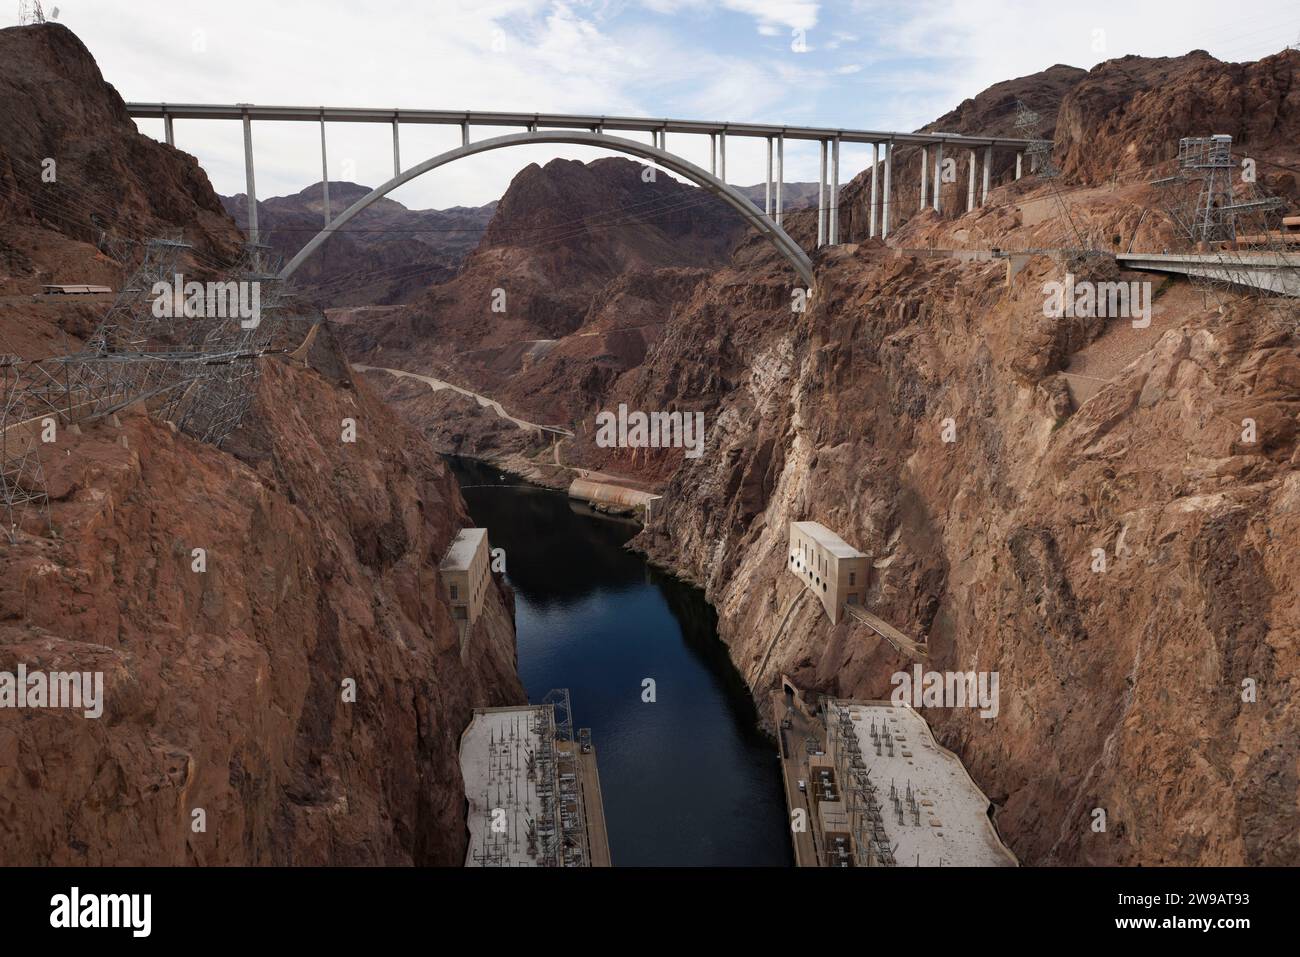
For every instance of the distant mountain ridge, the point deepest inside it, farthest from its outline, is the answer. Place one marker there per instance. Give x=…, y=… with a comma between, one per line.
x=386, y=254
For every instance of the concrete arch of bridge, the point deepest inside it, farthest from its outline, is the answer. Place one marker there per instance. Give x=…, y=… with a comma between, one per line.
x=733, y=198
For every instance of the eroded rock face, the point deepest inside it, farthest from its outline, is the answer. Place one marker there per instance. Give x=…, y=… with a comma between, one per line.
x=1120, y=690
x=1130, y=112
x=225, y=689
x=56, y=106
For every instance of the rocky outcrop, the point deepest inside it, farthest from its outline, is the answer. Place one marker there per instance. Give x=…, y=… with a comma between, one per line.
x=283, y=682
x=579, y=270
x=73, y=167
x=306, y=691
x=1120, y=689
x=1127, y=115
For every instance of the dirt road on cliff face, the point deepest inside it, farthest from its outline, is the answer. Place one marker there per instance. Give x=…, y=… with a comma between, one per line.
x=484, y=401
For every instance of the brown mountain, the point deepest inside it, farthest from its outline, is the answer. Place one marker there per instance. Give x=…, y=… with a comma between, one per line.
x=574, y=278
x=224, y=688
x=1121, y=120
x=386, y=254
x=63, y=188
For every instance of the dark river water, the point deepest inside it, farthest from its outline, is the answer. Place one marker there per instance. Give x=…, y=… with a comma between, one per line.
x=687, y=779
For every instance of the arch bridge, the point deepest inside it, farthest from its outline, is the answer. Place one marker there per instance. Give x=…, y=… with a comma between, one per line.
x=588, y=130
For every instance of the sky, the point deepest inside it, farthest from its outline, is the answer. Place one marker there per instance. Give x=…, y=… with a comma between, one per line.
x=861, y=64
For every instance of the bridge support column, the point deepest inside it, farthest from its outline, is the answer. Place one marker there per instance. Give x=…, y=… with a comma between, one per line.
x=248, y=175
x=988, y=172
x=767, y=191
x=884, y=203
x=925, y=177
x=713, y=153
x=397, y=153
x=938, y=178
x=1020, y=159
x=324, y=172
x=970, y=187
x=780, y=175
x=722, y=156
x=168, y=133
x=464, y=134
x=875, y=194
x=835, y=192
x=821, y=197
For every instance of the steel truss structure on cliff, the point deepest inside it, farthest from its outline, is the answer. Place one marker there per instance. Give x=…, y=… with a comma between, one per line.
x=1038, y=149
x=1220, y=213
x=195, y=371
x=22, y=479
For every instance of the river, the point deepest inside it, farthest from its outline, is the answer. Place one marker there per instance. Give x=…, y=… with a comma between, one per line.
x=688, y=779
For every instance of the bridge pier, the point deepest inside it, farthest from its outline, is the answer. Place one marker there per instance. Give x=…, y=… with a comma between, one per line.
x=938, y=178
x=988, y=166
x=324, y=171
x=875, y=161
x=884, y=205
x=780, y=175
x=821, y=198
x=168, y=132
x=248, y=175
x=925, y=177
x=970, y=187
x=835, y=192
x=722, y=156
x=397, y=153
x=767, y=191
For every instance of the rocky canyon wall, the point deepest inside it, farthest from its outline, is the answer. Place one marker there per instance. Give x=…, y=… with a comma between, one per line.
x=283, y=682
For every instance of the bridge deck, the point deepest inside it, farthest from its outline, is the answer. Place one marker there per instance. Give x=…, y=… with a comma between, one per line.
x=346, y=114
x=1267, y=271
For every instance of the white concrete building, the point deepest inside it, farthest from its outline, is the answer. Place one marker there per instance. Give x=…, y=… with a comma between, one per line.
x=831, y=567
x=466, y=573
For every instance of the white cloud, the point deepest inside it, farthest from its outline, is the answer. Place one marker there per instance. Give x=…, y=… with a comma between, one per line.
x=908, y=63
x=775, y=17
x=972, y=46
x=791, y=14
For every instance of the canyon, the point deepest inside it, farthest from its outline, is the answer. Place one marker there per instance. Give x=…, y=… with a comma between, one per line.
x=1121, y=691
x=300, y=698
x=922, y=406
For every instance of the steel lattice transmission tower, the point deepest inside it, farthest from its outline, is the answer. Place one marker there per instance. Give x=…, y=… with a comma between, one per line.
x=1040, y=150
x=197, y=371
x=1201, y=198
x=29, y=11
x=1206, y=161
x=22, y=479
x=1219, y=211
